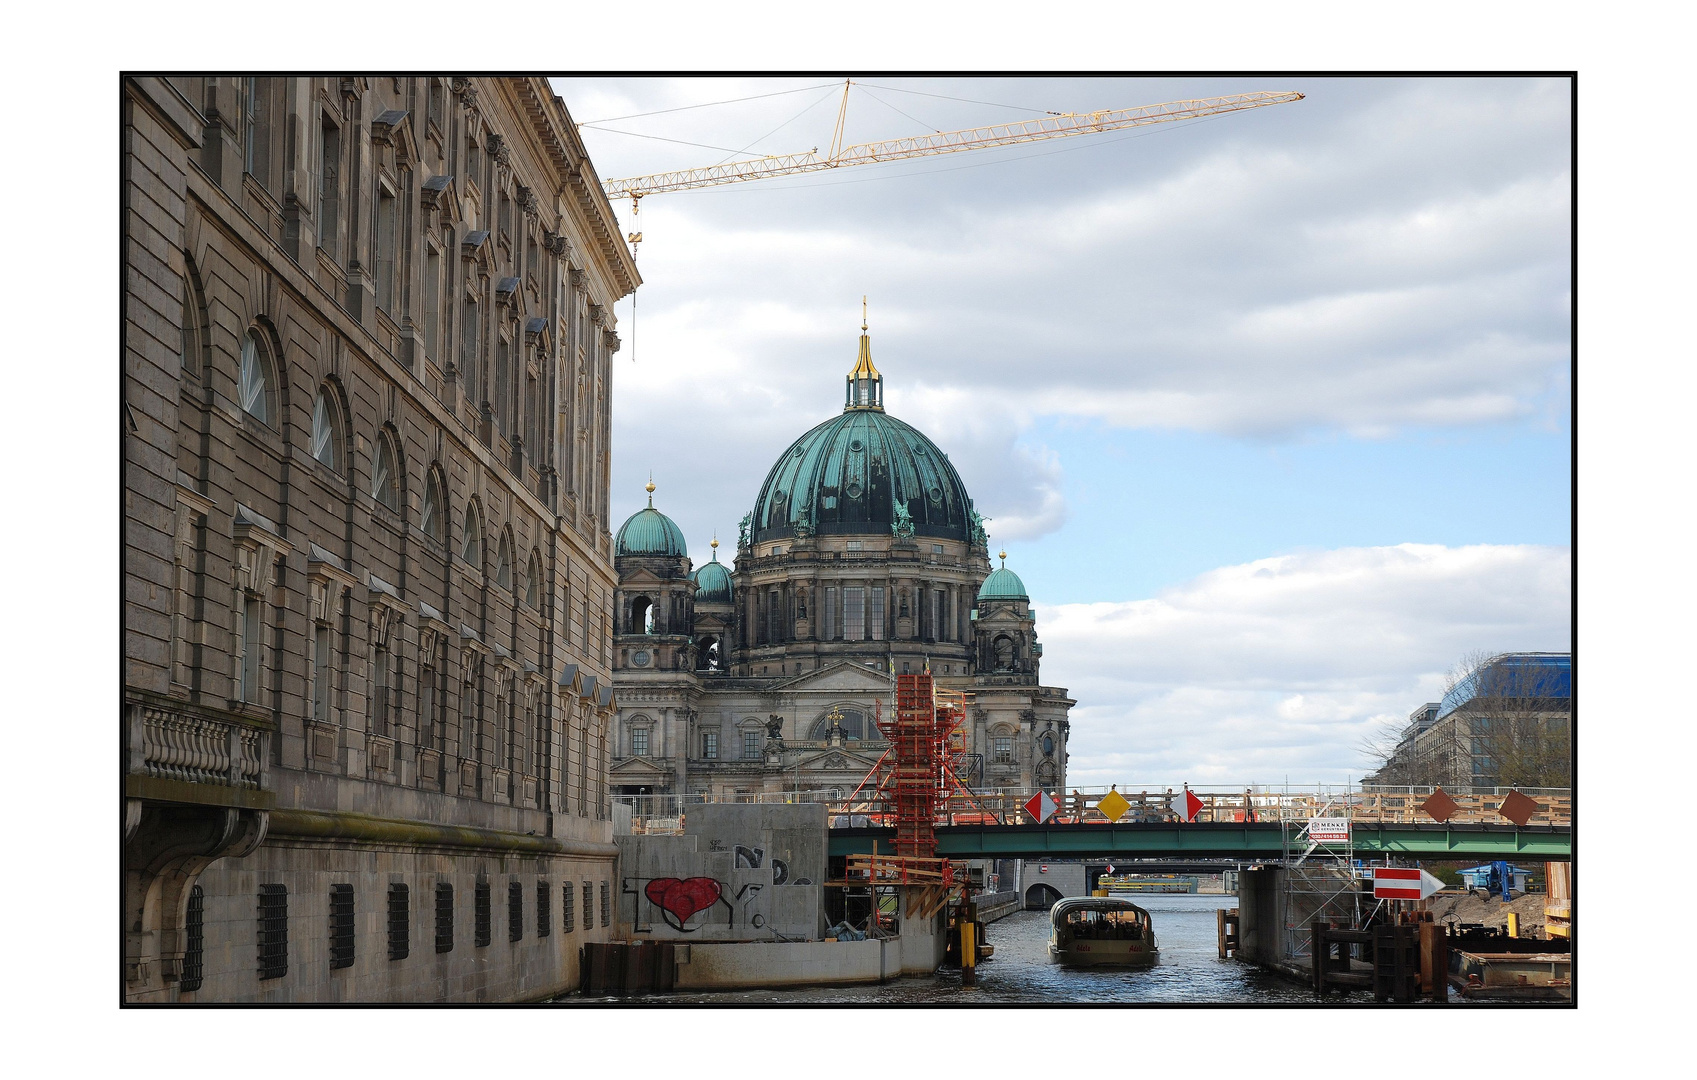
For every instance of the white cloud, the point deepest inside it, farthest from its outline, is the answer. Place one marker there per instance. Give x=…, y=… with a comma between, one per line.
x=1279, y=667
x=1385, y=254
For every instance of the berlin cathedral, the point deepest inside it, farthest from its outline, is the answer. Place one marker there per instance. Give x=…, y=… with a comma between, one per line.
x=862, y=559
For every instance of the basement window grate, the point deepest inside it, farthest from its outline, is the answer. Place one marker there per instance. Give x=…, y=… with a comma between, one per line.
x=606, y=905
x=273, y=931
x=515, y=911
x=480, y=915
x=444, y=917
x=568, y=893
x=341, y=926
x=544, y=917
x=194, y=955
x=399, y=922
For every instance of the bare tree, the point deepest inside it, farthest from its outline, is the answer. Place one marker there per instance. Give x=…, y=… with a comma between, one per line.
x=1505, y=723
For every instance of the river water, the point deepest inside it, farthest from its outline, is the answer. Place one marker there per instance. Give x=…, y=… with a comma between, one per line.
x=1190, y=970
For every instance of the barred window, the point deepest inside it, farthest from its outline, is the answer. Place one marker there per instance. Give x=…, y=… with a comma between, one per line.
x=515, y=911
x=544, y=920
x=710, y=745
x=273, y=931
x=639, y=742
x=194, y=952
x=606, y=905
x=875, y=614
x=568, y=920
x=830, y=619
x=444, y=917
x=750, y=744
x=588, y=906
x=341, y=926
x=481, y=931
x=1004, y=748
x=400, y=928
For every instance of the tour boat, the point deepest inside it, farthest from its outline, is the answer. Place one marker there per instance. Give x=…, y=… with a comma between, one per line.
x=1094, y=931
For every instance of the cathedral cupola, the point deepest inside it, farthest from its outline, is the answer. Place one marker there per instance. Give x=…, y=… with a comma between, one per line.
x=865, y=385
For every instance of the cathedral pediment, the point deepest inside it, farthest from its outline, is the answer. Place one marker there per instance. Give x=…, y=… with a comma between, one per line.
x=839, y=676
x=836, y=760
x=639, y=770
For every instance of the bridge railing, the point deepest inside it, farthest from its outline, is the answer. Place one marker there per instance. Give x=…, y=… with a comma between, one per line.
x=1249, y=803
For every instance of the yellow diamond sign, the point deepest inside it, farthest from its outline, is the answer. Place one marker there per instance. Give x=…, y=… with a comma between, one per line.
x=1113, y=805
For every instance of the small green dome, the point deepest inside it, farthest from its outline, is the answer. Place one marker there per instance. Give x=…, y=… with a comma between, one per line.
x=649, y=532
x=1002, y=584
x=712, y=584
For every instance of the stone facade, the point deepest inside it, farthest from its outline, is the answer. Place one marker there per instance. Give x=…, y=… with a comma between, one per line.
x=775, y=675
x=368, y=579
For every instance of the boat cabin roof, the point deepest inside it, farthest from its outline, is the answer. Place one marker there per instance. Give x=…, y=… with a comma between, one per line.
x=1063, y=908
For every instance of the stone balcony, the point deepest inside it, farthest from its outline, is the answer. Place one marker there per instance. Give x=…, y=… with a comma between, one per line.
x=179, y=753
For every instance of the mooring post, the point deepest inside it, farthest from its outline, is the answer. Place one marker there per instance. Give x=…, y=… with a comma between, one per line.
x=967, y=920
x=1220, y=930
x=1317, y=951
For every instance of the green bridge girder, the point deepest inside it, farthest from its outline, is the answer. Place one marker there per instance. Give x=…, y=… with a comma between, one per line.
x=1221, y=840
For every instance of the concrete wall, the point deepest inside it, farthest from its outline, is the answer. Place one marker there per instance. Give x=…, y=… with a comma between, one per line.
x=1066, y=878
x=740, y=872
x=993, y=906
x=729, y=966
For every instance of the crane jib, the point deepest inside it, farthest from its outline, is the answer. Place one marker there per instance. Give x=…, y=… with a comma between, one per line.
x=944, y=142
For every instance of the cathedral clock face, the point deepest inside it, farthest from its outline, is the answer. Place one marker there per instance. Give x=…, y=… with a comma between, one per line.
x=639, y=658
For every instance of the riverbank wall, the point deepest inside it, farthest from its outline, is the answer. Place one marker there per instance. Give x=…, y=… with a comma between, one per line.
x=993, y=906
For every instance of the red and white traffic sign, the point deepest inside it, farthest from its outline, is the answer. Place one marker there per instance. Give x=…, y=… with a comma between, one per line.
x=1403, y=883
x=1041, y=807
x=1186, y=805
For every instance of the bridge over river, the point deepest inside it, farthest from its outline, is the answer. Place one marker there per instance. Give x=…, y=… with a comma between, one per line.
x=1219, y=840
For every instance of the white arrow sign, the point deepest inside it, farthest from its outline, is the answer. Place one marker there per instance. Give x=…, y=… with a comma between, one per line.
x=1403, y=883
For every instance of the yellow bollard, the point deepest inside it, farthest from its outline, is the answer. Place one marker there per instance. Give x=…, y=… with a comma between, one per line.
x=1513, y=924
x=968, y=954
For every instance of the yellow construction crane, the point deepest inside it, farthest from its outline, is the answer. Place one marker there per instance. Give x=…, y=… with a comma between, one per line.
x=1053, y=126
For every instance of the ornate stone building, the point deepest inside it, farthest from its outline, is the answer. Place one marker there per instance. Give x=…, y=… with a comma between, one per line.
x=863, y=558
x=367, y=347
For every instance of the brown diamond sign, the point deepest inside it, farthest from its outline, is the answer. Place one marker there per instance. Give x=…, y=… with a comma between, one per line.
x=1439, y=806
x=1517, y=808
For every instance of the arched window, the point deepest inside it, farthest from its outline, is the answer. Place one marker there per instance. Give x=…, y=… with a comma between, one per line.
x=533, y=581
x=435, y=504
x=386, y=474
x=855, y=723
x=471, y=536
x=504, y=564
x=194, y=307
x=641, y=616
x=326, y=439
x=255, y=378
x=1048, y=744
x=1004, y=652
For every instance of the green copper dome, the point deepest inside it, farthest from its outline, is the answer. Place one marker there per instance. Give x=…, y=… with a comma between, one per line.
x=848, y=475
x=649, y=532
x=712, y=584
x=1002, y=584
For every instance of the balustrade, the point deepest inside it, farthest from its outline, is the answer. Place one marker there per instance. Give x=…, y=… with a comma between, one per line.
x=201, y=749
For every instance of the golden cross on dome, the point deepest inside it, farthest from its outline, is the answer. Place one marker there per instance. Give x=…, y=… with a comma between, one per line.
x=1003, y=555
x=650, y=490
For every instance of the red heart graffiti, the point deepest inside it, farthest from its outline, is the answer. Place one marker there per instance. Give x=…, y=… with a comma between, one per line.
x=683, y=897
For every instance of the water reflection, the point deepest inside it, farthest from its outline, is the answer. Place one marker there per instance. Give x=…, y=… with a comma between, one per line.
x=1190, y=970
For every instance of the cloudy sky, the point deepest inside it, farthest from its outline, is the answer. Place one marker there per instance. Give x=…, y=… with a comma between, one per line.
x=1270, y=410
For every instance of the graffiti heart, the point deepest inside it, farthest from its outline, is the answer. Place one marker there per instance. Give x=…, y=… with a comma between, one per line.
x=681, y=898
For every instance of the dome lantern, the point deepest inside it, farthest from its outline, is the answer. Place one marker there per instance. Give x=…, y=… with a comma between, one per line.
x=865, y=385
